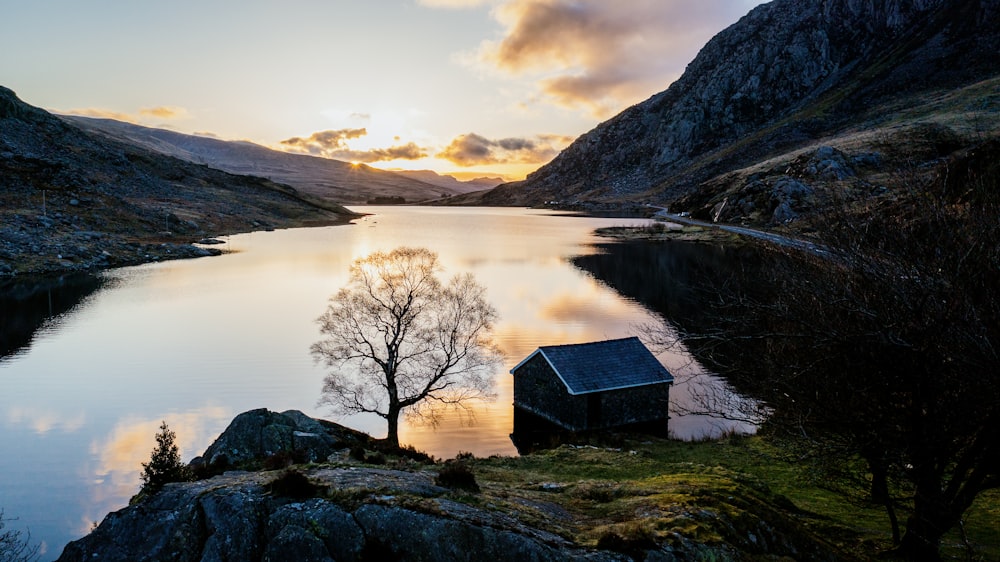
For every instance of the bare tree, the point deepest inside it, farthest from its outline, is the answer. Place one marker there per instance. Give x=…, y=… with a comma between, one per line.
x=16, y=546
x=402, y=340
x=888, y=348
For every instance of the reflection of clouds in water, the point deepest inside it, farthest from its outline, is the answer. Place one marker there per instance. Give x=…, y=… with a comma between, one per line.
x=703, y=406
x=589, y=306
x=44, y=421
x=578, y=311
x=119, y=456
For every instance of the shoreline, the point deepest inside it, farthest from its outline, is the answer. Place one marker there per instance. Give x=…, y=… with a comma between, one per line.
x=660, y=231
x=26, y=253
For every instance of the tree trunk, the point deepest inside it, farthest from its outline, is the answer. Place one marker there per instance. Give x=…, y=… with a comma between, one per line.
x=880, y=495
x=922, y=540
x=880, y=482
x=392, y=419
x=932, y=517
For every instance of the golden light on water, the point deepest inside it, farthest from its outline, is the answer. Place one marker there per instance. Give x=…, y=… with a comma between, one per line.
x=196, y=342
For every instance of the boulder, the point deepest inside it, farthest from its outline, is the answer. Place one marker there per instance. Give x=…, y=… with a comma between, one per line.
x=258, y=435
x=829, y=164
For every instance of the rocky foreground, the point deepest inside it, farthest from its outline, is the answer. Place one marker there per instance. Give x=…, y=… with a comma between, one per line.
x=310, y=490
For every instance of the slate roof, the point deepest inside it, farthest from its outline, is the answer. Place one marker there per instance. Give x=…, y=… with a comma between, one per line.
x=602, y=366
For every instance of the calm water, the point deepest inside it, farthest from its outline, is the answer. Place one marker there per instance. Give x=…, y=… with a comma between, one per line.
x=196, y=342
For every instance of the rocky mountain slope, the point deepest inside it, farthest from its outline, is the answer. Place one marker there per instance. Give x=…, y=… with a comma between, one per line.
x=71, y=200
x=352, y=504
x=334, y=180
x=799, y=100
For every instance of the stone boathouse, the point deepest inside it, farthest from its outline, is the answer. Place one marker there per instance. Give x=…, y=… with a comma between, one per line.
x=598, y=385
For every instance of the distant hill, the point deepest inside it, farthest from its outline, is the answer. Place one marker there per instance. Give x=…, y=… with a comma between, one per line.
x=800, y=103
x=73, y=200
x=334, y=180
x=449, y=182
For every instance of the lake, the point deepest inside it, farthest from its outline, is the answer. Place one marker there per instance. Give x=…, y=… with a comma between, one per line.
x=195, y=342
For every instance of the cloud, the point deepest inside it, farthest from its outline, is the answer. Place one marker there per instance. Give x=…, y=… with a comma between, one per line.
x=473, y=150
x=323, y=142
x=333, y=144
x=145, y=115
x=101, y=114
x=408, y=151
x=599, y=55
x=164, y=112
x=452, y=3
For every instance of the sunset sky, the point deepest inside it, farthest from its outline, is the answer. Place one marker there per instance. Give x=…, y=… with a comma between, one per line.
x=469, y=86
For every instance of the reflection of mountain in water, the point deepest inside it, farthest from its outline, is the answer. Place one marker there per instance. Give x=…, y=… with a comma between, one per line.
x=25, y=305
x=692, y=285
x=671, y=278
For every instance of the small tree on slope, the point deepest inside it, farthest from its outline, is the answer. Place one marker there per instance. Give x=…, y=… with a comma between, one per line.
x=165, y=464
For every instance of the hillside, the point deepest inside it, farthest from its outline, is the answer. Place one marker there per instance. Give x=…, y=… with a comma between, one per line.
x=333, y=180
x=449, y=182
x=71, y=200
x=798, y=103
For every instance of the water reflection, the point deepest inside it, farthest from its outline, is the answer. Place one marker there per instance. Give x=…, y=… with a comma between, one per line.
x=195, y=342
x=674, y=279
x=116, y=458
x=531, y=433
x=27, y=304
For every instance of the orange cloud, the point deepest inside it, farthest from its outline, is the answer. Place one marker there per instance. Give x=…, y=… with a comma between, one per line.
x=408, y=151
x=601, y=55
x=145, y=114
x=333, y=144
x=323, y=142
x=474, y=150
x=164, y=112
x=101, y=114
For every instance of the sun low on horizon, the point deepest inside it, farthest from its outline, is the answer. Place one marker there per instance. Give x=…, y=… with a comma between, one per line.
x=469, y=88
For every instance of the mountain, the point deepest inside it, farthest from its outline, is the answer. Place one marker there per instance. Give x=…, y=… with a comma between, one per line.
x=73, y=200
x=799, y=100
x=334, y=180
x=451, y=183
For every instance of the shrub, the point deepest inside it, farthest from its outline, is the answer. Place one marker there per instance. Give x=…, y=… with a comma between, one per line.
x=165, y=464
x=284, y=459
x=457, y=476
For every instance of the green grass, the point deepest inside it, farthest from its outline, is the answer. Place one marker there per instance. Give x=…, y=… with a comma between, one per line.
x=653, y=489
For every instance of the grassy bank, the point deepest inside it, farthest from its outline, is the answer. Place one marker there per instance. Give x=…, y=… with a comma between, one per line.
x=718, y=492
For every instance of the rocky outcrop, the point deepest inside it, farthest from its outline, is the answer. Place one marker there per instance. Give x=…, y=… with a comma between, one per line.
x=339, y=510
x=235, y=517
x=785, y=75
x=261, y=434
